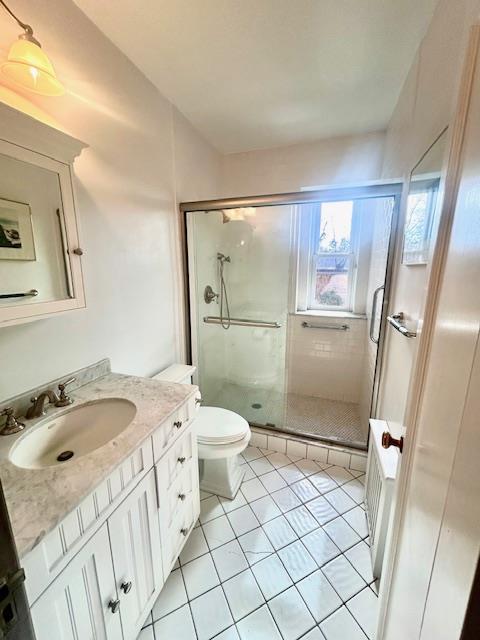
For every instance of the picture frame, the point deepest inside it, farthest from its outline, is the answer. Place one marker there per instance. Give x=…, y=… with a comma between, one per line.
x=16, y=231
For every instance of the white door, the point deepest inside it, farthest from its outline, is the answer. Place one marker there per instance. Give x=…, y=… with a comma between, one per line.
x=76, y=605
x=436, y=533
x=135, y=540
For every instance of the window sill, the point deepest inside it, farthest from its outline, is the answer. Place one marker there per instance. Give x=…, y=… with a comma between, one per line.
x=320, y=313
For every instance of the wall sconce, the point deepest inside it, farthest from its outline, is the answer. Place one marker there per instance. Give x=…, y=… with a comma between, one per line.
x=27, y=65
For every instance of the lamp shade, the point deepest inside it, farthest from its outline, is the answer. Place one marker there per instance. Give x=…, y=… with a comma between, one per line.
x=29, y=67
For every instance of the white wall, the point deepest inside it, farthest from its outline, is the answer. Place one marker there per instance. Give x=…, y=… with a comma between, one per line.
x=334, y=161
x=142, y=156
x=424, y=108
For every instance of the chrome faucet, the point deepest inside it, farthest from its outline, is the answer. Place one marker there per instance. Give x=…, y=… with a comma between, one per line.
x=38, y=403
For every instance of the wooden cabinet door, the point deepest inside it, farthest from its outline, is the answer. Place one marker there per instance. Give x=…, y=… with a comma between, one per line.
x=78, y=604
x=135, y=542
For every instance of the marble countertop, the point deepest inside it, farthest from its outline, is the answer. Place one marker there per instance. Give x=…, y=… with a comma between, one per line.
x=38, y=499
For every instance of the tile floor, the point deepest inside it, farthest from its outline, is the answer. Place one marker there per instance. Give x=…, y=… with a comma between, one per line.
x=287, y=559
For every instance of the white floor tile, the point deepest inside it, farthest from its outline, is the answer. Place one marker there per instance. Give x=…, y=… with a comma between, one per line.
x=343, y=577
x=146, y=634
x=339, y=474
x=360, y=557
x=314, y=634
x=261, y=466
x=355, y=490
x=229, y=634
x=342, y=534
x=176, y=625
x=364, y=608
x=279, y=532
x=243, y=594
x=273, y=481
x=259, y=625
x=230, y=505
x=253, y=489
x=291, y=614
x=357, y=519
x=195, y=546
x=243, y=520
x=297, y=561
x=278, y=460
x=229, y=560
x=291, y=473
x=252, y=453
x=340, y=626
x=304, y=490
x=301, y=520
x=210, y=613
x=204, y=494
x=218, y=532
x=321, y=598
x=255, y=545
x=249, y=473
x=286, y=499
x=199, y=576
x=323, y=482
x=210, y=508
x=265, y=509
x=172, y=596
x=271, y=576
x=340, y=501
x=322, y=510
x=308, y=467
x=320, y=546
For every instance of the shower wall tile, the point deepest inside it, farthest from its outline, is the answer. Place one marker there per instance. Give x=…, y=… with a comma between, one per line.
x=325, y=363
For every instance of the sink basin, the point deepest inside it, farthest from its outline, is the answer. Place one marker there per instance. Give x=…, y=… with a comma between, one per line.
x=73, y=433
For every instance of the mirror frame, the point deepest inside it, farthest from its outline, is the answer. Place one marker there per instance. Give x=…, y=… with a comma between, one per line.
x=26, y=139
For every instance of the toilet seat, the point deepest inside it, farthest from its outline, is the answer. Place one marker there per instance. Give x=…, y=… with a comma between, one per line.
x=216, y=426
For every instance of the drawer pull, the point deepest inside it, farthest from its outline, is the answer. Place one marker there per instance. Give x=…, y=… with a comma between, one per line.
x=181, y=460
x=126, y=586
x=198, y=401
x=181, y=496
x=178, y=424
x=184, y=531
x=114, y=605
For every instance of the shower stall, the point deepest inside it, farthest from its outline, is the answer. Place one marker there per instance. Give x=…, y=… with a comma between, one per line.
x=287, y=301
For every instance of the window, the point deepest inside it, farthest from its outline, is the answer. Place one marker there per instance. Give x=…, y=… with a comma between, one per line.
x=332, y=261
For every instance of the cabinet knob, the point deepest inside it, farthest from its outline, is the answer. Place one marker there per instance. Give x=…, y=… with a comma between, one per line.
x=178, y=424
x=181, y=496
x=184, y=531
x=114, y=605
x=388, y=441
x=181, y=460
x=126, y=586
x=78, y=251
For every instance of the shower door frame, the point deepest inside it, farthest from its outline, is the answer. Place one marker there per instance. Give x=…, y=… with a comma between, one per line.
x=388, y=189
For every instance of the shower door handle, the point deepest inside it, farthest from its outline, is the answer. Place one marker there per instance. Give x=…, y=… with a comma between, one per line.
x=374, y=313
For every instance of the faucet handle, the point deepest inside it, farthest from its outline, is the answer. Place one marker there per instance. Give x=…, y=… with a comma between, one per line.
x=64, y=400
x=12, y=425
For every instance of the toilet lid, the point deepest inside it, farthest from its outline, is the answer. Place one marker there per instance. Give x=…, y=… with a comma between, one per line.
x=220, y=426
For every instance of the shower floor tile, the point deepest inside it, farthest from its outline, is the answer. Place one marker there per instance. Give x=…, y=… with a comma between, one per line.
x=319, y=418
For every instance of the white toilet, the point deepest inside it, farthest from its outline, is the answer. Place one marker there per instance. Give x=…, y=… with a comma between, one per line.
x=221, y=435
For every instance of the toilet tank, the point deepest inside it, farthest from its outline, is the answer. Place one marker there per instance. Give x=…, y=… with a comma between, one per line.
x=181, y=373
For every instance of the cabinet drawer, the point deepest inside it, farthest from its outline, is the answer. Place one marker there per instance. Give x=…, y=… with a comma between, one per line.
x=172, y=500
x=175, y=461
x=173, y=428
x=175, y=535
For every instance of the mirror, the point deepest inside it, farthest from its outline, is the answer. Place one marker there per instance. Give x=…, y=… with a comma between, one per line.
x=34, y=264
x=422, y=203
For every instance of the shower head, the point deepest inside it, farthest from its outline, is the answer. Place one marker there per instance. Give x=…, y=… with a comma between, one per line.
x=223, y=258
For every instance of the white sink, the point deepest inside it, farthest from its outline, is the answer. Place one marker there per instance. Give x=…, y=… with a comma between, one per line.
x=78, y=431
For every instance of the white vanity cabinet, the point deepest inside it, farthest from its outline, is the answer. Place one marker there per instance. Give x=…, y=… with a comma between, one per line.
x=76, y=605
x=103, y=584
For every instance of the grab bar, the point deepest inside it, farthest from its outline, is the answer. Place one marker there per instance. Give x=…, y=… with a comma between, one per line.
x=374, y=313
x=397, y=323
x=333, y=327
x=27, y=294
x=242, y=322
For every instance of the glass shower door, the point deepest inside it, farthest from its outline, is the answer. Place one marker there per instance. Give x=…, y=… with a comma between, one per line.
x=239, y=300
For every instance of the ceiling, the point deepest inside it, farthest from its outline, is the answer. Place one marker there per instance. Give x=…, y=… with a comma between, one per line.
x=252, y=74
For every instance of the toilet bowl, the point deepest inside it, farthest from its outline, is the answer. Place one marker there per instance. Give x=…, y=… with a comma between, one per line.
x=221, y=436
